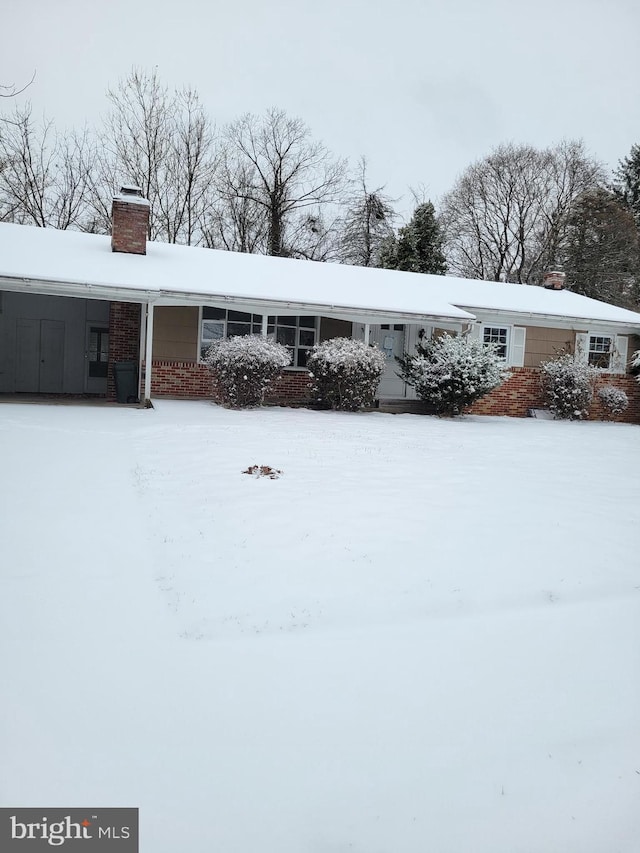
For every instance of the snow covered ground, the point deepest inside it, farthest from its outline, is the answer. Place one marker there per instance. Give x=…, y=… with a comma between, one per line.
x=424, y=636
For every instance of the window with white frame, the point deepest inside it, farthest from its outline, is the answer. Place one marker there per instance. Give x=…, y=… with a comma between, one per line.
x=298, y=334
x=220, y=323
x=498, y=335
x=600, y=351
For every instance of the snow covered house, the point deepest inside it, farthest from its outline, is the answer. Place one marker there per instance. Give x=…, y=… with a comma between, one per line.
x=73, y=305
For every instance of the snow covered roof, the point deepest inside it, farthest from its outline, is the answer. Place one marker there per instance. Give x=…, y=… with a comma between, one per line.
x=73, y=263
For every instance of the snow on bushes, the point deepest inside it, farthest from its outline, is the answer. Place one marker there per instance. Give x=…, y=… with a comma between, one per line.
x=567, y=385
x=244, y=366
x=345, y=373
x=614, y=400
x=452, y=372
x=635, y=364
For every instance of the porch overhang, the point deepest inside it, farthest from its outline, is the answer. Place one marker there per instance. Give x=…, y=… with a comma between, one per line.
x=117, y=293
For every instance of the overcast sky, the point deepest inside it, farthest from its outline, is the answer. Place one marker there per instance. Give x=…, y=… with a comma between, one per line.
x=421, y=87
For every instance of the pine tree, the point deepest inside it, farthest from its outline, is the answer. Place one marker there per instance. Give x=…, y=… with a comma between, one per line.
x=602, y=252
x=418, y=246
x=627, y=186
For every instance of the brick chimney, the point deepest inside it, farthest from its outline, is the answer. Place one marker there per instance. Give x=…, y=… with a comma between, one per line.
x=554, y=280
x=130, y=221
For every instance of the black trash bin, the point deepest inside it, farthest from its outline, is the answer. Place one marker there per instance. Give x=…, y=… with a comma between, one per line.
x=125, y=374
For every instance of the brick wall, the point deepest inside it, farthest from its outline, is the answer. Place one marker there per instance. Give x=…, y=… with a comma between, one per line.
x=631, y=388
x=514, y=397
x=124, y=337
x=522, y=392
x=190, y=380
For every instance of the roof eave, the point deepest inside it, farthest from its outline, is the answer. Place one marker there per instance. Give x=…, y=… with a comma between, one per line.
x=108, y=292
x=561, y=321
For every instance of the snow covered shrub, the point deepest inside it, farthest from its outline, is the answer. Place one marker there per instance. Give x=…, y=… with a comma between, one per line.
x=567, y=385
x=635, y=365
x=244, y=366
x=614, y=400
x=345, y=373
x=453, y=372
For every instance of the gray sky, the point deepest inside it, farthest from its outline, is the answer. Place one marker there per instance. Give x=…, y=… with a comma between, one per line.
x=421, y=87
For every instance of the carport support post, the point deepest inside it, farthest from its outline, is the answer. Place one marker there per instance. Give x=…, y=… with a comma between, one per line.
x=148, y=356
x=263, y=330
x=367, y=333
x=142, y=345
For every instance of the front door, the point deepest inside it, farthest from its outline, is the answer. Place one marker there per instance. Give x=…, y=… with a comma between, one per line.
x=39, y=356
x=391, y=340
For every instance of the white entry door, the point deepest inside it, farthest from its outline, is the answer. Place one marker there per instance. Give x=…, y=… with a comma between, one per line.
x=391, y=340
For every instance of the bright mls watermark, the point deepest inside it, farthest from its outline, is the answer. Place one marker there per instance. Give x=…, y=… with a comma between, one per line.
x=106, y=830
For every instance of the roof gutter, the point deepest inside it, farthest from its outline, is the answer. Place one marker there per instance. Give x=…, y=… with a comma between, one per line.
x=564, y=320
x=84, y=290
x=298, y=307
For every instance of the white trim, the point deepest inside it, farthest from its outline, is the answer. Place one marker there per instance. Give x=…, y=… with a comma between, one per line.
x=148, y=357
x=500, y=326
x=518, y=346
x=620, y=354
x=142, y=345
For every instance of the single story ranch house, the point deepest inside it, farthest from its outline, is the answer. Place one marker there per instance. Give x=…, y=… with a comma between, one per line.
x=73, y=305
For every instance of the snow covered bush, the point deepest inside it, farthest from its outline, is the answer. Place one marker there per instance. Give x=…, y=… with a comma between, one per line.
x=244, y=366
x=567, y=385
x=635, y=364
x=614, y=400
x=345, y=373
x=452, y=372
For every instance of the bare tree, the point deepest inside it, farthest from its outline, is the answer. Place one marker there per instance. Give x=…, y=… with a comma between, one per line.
x=368, y=222
x=506, y=217
x=234, y=221
x=164, y=143
x=272, y=163
x=45, y=175
x=11, y=90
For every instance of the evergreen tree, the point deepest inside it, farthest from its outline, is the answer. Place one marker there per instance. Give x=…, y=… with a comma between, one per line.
x=627, y=186
x=418, y=246
x=602, y=251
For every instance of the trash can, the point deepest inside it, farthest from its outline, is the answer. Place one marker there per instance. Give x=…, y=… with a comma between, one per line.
x=125, y=374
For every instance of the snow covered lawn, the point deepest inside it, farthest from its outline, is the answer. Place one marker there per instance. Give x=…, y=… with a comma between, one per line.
x=424, y=637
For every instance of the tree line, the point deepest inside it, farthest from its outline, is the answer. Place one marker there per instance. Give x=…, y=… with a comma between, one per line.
x=263, y=184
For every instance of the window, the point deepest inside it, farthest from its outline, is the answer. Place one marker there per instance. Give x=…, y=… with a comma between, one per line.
x=98, y=352
x=298, y=334
x=498, y=335
x=600, y=351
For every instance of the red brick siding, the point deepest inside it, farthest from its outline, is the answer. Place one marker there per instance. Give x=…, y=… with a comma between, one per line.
x=630, y=386
x=124, y=337
x=514, y=397
x=522, y=391
x=189, y=380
